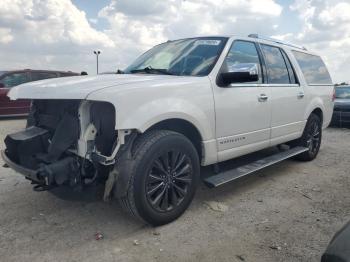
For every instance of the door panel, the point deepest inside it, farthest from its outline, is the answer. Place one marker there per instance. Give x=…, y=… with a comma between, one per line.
x=287, y=96
x=287, y=111
x=4, y=100
x=243, y=110
x=16, y=107
x=238, y=112
x=241, y=119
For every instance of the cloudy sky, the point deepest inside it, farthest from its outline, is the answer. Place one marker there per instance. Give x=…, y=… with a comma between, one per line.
x=62, y=34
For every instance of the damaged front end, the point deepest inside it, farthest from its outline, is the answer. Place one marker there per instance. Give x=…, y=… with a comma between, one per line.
x=66, y=142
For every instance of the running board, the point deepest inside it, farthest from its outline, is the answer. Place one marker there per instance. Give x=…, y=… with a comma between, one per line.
x=233, y=174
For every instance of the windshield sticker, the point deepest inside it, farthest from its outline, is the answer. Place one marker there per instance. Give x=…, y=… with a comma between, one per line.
x=208, y=42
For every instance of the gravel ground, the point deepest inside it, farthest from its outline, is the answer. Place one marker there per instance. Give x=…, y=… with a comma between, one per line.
x=287, y=212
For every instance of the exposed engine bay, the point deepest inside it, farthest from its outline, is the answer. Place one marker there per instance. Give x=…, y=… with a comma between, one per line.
x=66, y=142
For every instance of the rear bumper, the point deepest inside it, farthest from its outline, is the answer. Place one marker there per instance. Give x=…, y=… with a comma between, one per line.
x=341, y=117
x=28, y=173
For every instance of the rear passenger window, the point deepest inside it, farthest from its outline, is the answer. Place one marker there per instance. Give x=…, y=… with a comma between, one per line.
x=277, y=72
x=292, y=77
x=42, y=75
x=313, y=68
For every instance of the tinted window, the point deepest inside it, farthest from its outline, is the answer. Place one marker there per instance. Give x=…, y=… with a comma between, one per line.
x=42, y=75
x=342, y=92
x=242, y=52
x=14, y=79
x=292, y=77
x=313, y=68
x=277, y=72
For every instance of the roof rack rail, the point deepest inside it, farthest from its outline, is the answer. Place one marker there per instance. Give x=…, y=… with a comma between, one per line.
x=276, y=41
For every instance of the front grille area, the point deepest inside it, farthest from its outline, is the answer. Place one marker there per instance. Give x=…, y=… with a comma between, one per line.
x=52, y=128
x=48, y=113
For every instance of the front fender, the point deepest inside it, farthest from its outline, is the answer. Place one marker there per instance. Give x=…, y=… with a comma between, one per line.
x=148, y=114
x=144, y=104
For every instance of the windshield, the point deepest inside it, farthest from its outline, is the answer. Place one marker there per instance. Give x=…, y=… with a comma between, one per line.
x=186, y=57
x=342, y=92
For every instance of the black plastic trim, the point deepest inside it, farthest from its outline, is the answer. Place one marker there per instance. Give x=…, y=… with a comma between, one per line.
x=28, y=173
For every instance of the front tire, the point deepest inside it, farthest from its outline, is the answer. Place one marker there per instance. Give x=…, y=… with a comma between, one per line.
x=164, y=177
x=311, y=138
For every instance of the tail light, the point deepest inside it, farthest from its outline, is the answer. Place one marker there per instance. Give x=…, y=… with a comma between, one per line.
x=333, y=96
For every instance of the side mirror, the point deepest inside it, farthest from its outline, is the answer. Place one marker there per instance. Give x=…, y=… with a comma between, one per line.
x=240, y=73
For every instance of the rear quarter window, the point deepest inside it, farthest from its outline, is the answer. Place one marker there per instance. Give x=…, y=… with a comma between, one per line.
x=313, y=68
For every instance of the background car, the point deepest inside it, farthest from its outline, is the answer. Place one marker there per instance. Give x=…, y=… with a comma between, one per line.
x=9, y=79
x=338, y=249
x=341, y=113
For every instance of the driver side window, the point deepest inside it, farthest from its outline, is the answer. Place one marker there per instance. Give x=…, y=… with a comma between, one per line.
x=241, y=54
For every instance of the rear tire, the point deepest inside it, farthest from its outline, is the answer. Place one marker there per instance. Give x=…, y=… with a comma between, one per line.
x=311, y=138
x=164, y=177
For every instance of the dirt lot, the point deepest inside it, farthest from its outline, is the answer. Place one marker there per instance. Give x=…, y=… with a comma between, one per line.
x=287, y=212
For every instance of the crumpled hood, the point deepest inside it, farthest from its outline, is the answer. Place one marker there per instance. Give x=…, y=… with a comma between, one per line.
x=78, y=87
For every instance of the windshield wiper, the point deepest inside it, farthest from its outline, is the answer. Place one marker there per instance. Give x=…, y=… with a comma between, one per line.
x=150, y=70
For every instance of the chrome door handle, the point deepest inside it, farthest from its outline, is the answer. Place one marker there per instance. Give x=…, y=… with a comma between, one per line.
x=300, y=94
x=262, y=98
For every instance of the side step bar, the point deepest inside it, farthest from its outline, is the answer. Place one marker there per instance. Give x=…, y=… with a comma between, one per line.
x=233, y=174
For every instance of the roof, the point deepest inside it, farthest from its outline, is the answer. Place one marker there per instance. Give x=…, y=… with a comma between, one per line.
x=277, y=41
x=260, y=39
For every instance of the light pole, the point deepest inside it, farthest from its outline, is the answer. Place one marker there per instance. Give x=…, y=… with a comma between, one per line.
x=97, y=53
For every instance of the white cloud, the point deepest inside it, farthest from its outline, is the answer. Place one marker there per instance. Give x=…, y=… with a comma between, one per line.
x=332, y=16
x=39, y=29
x=136, y=7
x=55, y=34
x=93, y=21
x=327, y=31
x=142, y=24
x=5, y=35
x=50, y=22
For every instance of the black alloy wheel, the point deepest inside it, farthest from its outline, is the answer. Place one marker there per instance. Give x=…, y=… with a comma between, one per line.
x=164, y=175
x=314, y=138
x=168, y=180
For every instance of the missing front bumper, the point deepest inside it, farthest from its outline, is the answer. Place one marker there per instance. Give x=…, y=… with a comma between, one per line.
x=28, y=173
x=61, y=172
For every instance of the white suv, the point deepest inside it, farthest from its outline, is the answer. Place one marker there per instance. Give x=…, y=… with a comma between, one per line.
x=146, y=131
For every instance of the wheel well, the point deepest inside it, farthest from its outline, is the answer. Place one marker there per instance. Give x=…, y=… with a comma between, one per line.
x=319, y=113
x=183, y=127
